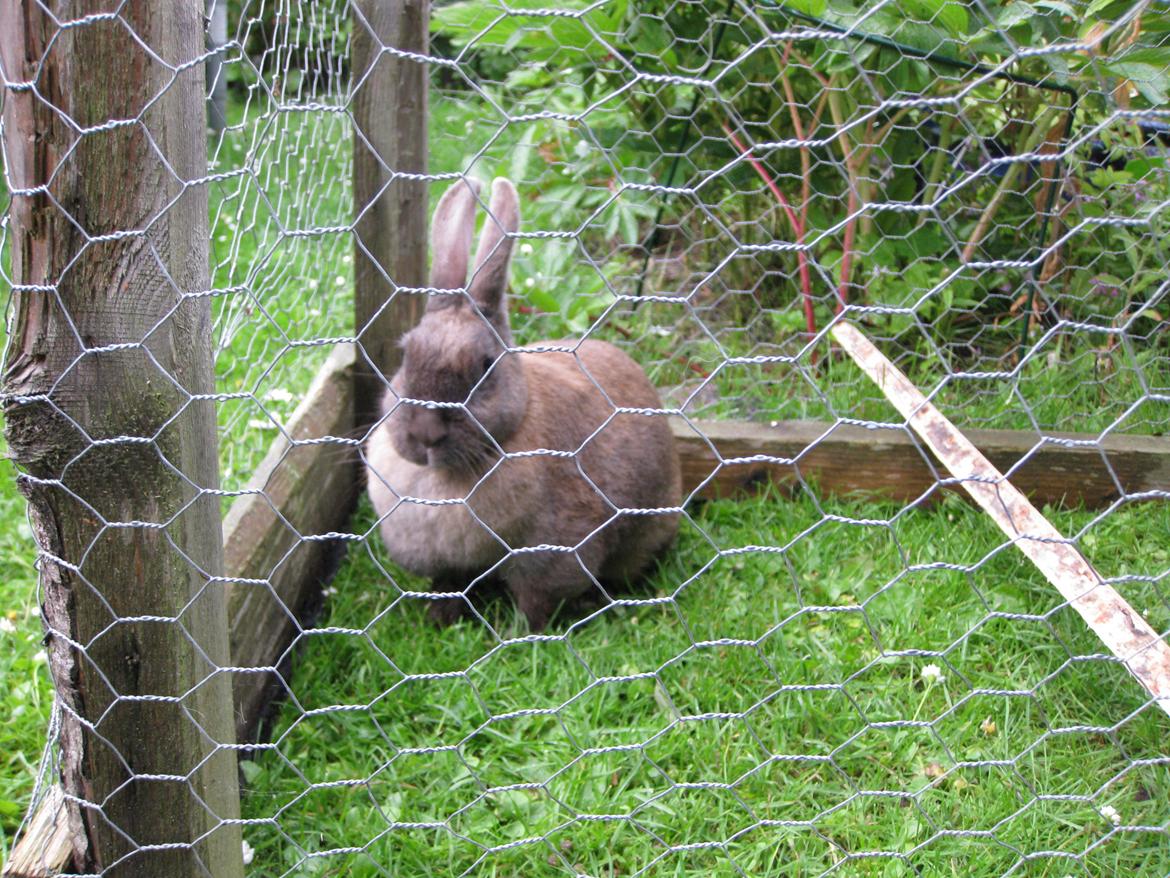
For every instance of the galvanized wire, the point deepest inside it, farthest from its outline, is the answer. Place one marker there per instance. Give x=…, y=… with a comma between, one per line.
x=1012, y=263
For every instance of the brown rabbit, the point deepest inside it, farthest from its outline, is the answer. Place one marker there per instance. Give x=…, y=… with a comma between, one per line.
x=513, y=463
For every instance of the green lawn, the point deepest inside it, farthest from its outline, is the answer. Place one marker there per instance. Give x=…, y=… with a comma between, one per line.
x=765, y=708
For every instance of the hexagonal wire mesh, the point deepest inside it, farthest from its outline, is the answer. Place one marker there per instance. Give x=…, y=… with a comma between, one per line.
x=807, y=683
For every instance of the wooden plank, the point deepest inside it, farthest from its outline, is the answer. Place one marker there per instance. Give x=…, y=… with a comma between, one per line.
x=44, y=849
x=314, y=486
x=1123, y=631
x=107, y=384
x=389, y=189
x=726, y=458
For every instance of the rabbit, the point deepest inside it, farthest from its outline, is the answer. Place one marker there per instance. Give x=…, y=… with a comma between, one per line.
x=451, y=506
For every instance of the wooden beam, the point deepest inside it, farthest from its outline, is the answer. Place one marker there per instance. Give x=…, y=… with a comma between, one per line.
x=1122, y=629
x=305, y=487
x=109, y=416
x=390, y=192
x=726, y=458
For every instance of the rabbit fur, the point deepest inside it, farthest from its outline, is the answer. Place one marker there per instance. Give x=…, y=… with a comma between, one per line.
x=451, y=506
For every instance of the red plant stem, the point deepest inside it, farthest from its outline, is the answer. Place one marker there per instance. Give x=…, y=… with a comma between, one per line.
x=847, y=250
x=851, y=221
x=797, y=227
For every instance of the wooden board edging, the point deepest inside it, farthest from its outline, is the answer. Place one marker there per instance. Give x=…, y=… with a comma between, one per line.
x=279, y=575
x=1065, y=469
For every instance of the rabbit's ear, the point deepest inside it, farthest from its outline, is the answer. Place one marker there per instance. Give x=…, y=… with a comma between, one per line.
x=451, y=230
x=489, y=280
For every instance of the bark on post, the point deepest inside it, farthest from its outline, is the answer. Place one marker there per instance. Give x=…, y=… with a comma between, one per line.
x=390, y=139
x=104, y=132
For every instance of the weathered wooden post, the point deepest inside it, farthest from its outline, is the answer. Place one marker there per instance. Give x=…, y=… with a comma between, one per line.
x=105, y=396
x=390, y=140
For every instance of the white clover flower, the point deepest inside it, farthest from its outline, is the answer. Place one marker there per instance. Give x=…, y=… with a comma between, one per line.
x=314, y=283
x=41, y=657
x=7, y=626
x=261, y=424
x=530, y=282
x=1111, y=814
x=526, y=249
x=279, y=394
x=249, y=853
x=340, y=280
x=932, y=673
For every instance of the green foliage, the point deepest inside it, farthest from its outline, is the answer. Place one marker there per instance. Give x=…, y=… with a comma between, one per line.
x=603, y=132
x=1148, y=69
x=550, y=280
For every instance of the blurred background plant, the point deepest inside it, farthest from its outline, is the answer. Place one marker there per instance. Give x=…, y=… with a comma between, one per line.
x=980, y=196
x=932, y=167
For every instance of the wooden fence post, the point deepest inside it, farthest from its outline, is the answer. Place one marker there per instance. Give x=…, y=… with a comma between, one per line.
x=390, y=138
x=105, y=396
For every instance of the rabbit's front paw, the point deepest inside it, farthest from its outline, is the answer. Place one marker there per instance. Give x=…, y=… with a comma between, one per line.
x=445, y=612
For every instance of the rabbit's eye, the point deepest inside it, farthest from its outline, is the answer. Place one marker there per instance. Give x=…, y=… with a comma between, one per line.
x=487, y=364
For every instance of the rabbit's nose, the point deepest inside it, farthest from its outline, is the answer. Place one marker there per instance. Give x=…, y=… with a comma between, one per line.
x=429, y=427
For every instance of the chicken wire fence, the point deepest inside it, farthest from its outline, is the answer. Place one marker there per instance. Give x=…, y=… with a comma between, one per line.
x=807, y=683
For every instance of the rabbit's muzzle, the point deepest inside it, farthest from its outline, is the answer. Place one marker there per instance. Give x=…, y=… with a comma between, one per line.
x=424, y=433
x=428, y=427
x=434, y=436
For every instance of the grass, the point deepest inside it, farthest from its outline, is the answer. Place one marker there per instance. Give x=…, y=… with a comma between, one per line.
x=25, y=698
x=745, y=685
